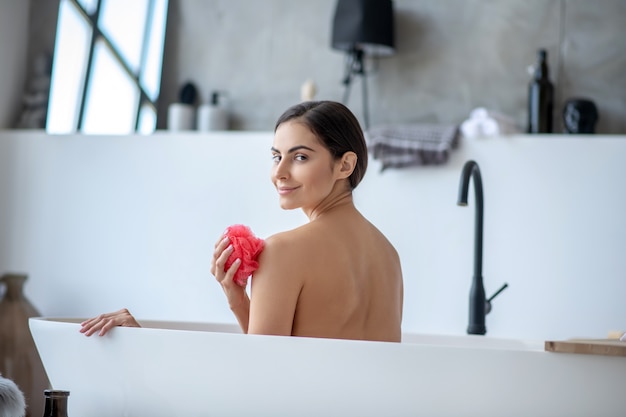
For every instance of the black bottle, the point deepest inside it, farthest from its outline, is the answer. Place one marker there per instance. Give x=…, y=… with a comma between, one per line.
x=56, y=403
x=540, y=97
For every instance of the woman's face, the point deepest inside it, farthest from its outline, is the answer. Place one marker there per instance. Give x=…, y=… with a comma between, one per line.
x=303, y=169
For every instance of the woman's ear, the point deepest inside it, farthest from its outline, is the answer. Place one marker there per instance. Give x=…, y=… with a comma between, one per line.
x=347, y=164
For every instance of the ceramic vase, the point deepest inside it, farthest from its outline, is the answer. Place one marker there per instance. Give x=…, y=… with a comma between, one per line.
x=19, y=359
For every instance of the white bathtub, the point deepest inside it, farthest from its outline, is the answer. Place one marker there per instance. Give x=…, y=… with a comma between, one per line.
x=176, y=369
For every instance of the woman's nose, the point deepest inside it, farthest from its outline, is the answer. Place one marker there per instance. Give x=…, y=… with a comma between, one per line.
x=280, y=170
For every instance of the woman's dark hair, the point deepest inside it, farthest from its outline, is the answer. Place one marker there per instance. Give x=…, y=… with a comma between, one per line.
x=336, y=127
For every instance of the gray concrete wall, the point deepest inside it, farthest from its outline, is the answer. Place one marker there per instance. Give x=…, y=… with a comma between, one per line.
x=452, y=56
x=13, y=59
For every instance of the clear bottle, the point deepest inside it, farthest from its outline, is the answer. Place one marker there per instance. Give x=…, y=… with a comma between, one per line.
x=56, y=403
x=540, y=97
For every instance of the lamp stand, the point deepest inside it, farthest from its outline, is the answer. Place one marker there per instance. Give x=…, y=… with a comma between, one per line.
x=356, y=67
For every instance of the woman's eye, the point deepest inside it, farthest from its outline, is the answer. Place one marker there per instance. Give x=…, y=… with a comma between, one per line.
x=300, y=157
x=276, y=158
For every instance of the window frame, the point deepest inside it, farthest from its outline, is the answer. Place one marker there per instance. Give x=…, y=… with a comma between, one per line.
x=97, y=34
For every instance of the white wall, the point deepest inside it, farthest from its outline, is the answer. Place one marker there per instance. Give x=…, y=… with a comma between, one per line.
x=13, y=52
x=101, y=223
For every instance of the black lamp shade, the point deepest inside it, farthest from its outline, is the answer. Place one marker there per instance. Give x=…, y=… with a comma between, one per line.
x=365, y=25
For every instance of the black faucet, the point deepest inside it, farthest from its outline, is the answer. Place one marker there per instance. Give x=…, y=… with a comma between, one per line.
x=479, y=305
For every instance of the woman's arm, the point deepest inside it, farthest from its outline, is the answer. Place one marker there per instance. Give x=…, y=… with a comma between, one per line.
x=276, y=286
x=235, y=294
x=242, y=313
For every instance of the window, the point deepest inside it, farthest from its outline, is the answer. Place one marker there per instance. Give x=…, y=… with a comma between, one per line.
x=106, y=72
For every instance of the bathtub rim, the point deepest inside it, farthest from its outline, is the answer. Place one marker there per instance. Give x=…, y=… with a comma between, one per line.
x=463, y=341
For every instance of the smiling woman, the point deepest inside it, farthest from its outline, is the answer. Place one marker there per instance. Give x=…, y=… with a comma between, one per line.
x=107, y=66
x=337, y=276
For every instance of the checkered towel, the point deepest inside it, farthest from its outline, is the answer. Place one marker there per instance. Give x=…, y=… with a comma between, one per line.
x=411, y=145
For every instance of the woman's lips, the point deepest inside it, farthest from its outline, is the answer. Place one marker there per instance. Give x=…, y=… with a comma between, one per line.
x=286, y=190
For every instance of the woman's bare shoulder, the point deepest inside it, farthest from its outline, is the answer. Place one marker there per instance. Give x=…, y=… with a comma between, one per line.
x=291, y=239
x=291, y=248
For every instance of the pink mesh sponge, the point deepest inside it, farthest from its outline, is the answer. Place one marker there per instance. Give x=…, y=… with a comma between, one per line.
x=246, y=247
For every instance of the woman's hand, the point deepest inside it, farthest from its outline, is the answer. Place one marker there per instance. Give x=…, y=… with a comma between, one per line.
x=235, y=294
x=105, y=322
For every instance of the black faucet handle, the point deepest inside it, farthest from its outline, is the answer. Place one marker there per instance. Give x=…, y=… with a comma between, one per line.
x=488, y=301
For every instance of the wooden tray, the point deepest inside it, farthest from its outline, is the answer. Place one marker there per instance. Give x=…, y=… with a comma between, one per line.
x=609, y=347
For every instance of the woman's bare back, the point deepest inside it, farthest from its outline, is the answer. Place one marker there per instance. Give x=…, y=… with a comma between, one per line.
x=349, y=276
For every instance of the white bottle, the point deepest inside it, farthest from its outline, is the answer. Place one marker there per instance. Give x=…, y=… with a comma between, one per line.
x=212, y=116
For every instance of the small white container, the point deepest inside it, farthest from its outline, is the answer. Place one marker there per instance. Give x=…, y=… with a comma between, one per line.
x=180, y=117
x=212, y=116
